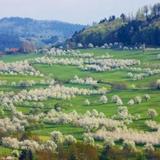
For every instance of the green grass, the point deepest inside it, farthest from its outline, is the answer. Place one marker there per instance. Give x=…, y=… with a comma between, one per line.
x=18, y=78
x=19, y=57
x=4, y=152
x=145, y=57
x=65, y=129
x=63, y=73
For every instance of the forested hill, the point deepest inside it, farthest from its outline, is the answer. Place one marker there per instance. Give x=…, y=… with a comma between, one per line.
x=15, y=29
x=142, y=28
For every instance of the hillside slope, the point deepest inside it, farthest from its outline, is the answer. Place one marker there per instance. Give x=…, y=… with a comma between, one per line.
x=40, y=31
x=97, y=34
x=130, y=33
x=142, y=28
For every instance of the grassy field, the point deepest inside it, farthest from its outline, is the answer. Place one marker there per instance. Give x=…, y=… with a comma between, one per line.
x=5, y=151
x=64, y=73
x=18, y=57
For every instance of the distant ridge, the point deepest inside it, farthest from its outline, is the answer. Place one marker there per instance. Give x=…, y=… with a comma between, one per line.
x=15, y=29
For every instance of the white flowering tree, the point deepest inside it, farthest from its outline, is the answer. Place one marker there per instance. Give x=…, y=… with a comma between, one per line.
x=69, y=139
x=87, y=102
x=103, y=99
x=152, y=113
x=57, y=137
x=88, y=140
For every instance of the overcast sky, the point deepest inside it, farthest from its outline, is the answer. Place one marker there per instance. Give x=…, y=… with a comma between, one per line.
x=75, y=11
